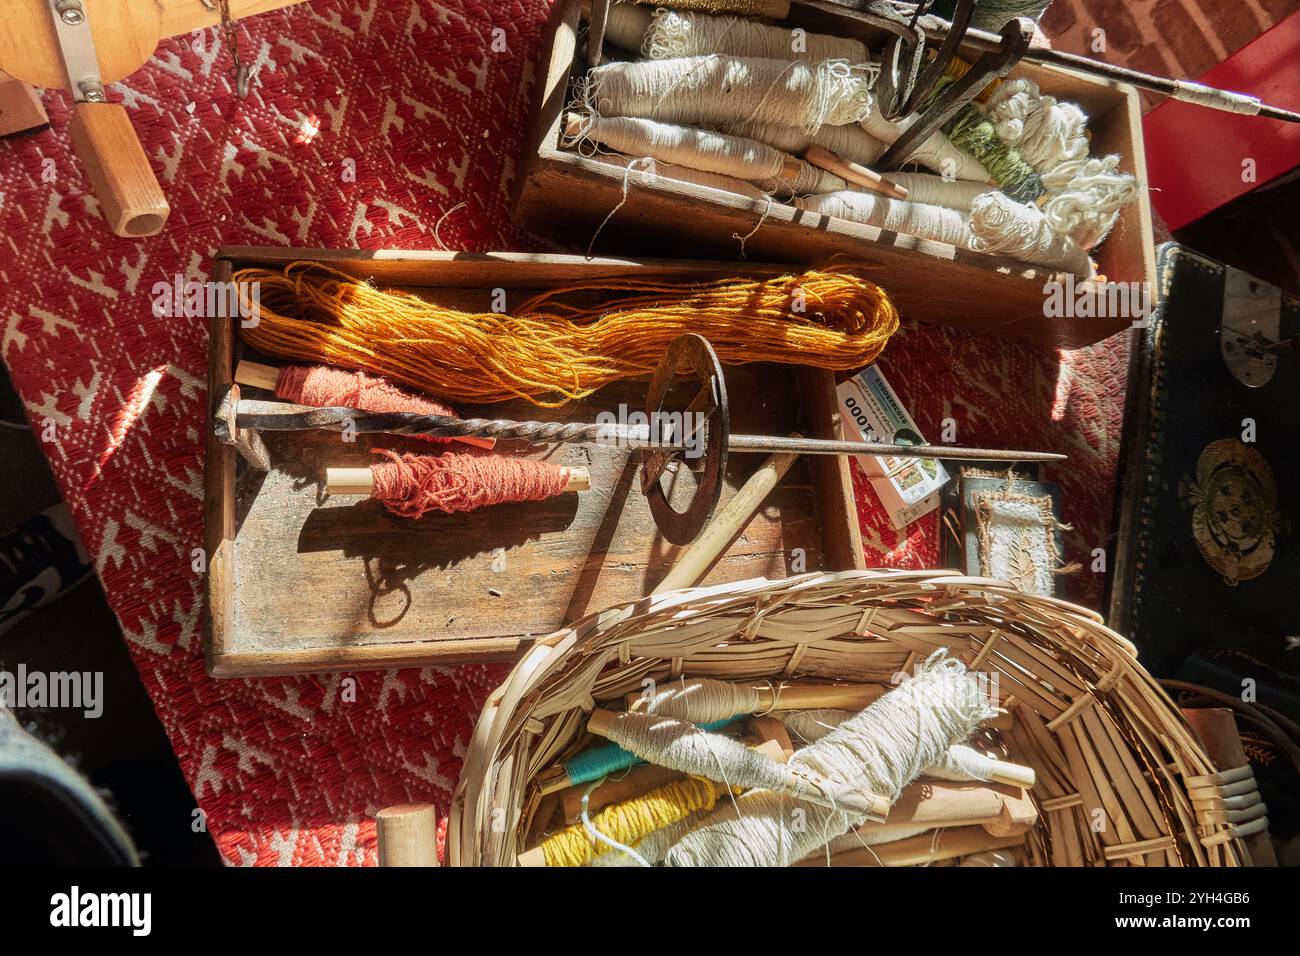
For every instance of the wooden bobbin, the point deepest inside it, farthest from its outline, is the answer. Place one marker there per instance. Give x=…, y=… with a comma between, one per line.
x=407, y=835
x=920, y=849
x=795, y=695
x=257, y=375
x=1000, y=810
x=360, y=481
x=855, y=173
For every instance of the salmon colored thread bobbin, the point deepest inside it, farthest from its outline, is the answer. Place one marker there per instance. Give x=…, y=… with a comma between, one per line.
x=410, y=486
x=327, y=387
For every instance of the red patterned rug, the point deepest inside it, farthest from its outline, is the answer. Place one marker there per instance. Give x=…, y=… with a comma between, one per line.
x=426, y=102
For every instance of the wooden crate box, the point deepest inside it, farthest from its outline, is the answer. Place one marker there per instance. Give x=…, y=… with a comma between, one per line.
x=563, y=196
x=299, y=581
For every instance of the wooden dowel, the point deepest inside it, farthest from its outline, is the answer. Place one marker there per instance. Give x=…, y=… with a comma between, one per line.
x=349, y=481
x=407, y=835
x=578, y=479
x=794, y=695
x=853, y=172
x=360, y=481
x=1013, y=774
x=923, y=848
x=627, y=784
x=699, y=556
x=1217, y=729
x=257, y=375
x=1001, y=810
x=118, y=170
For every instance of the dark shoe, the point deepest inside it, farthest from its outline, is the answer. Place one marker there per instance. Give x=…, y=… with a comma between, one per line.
x=39, y=560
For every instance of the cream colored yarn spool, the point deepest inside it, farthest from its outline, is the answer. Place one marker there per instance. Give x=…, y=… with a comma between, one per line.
x=1002, y=226
x=1045, y=132
x=1086, y=197
x=675, y=33
x=850, y=142
x=937, y=191
x=680, y=745
x=959, y=762
x=708, y=90
x=705, y=150
x=683, y=174
x=896, y=215
x=626, y=25
x=883, y=748
x=936, y=153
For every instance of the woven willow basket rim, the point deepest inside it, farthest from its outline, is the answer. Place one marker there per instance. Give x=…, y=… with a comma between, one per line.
x=1109, y=746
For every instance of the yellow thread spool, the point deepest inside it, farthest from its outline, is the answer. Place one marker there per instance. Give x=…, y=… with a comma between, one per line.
x=629, y=822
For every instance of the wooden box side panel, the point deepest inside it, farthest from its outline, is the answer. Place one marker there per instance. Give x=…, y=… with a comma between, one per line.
x=218, y=486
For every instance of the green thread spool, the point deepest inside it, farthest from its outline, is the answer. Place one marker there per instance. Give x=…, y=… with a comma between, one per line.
x=972, y=131
x=601, y=761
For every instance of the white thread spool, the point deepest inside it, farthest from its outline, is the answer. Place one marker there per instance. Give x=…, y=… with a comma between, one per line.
x=895, y=215
x=1085, y=198
x=959, y=762
x=714, y=89
x=1002, y=226
x=1045, y=132
x=680, y=745
x=936, y=153
x=883, y=748
x=850, y=142
x=700, y=149
x=676, y=33
x=627, y=24
x=937, y=191
x=682, y=174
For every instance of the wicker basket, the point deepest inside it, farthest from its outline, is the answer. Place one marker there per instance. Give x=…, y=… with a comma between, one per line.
x=1121, y=780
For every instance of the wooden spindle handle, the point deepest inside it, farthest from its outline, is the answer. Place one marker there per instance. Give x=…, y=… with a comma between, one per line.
x=119, y=172
x=407, y=835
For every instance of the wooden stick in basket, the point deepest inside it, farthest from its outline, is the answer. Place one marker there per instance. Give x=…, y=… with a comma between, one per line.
x=1000, y=810
x=407, y=835
x=775, y=696
x=855, y=173
x=921, y=849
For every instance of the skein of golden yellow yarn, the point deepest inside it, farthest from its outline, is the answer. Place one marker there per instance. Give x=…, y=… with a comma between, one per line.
x=561, y=344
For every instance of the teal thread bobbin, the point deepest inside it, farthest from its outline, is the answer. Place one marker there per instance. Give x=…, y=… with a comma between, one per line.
x=601, y=761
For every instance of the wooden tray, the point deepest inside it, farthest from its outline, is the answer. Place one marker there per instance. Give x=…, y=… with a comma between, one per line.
x=301, y=582
x=563, y=196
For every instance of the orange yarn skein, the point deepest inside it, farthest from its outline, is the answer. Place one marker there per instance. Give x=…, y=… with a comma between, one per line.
x=559, y=345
